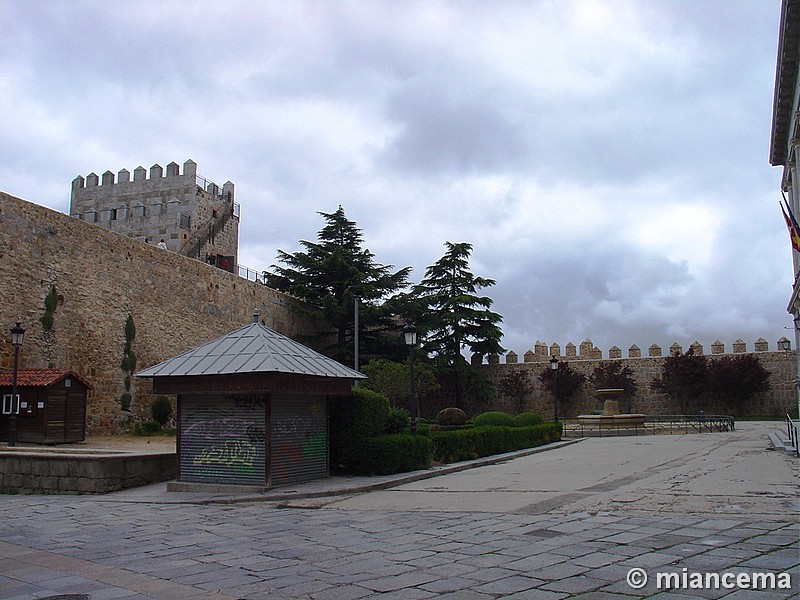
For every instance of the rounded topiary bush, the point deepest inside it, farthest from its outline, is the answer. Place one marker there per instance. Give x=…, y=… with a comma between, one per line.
x=528, y=419
x=451, y=417
x=161, y=409
x=493, y=418
x=397, y=421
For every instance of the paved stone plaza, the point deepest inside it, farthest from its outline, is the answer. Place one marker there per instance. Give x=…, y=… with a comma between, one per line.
x=566, y=523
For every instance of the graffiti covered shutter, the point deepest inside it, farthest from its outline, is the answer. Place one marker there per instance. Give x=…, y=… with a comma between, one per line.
x=299, y=440
x=223, y=439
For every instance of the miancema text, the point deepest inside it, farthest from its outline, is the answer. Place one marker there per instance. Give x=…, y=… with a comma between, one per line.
x=705, y=581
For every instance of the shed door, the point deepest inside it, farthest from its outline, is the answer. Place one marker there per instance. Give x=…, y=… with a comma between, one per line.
x=299, y=440
x=222, y=439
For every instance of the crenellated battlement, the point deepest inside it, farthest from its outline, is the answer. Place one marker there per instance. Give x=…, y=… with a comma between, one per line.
x=644, y=366
x=190, y=214
x=157, y=179
x=588, y=351
x=139, y=175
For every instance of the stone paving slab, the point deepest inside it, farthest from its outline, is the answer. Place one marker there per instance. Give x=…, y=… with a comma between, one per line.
x=137, y=548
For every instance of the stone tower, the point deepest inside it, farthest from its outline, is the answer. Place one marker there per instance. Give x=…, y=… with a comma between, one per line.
x=194, y=216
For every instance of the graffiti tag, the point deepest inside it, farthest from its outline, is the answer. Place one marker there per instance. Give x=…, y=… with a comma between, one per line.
x=235, y=454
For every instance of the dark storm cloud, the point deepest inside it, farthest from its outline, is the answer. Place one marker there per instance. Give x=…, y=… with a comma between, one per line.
x=608, y=160
x=447, y=125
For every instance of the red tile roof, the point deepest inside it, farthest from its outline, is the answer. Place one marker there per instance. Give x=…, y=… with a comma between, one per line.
x=39, y=377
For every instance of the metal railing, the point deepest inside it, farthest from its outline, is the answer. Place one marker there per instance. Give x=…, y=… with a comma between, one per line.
x=215, y=190
x=250, y=274
x=652, y=425
x=791, y=432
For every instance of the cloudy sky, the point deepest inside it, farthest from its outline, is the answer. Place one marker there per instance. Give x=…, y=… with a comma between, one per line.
x=608, y=160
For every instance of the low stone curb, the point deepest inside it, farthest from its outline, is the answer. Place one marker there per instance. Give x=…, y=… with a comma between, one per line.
x=386, y=481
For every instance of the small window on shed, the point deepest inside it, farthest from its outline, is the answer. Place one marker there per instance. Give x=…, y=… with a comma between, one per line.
x=10, y=404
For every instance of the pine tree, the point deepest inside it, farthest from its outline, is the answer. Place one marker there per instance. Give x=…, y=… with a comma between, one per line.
x=328, y=274
x=451, y=316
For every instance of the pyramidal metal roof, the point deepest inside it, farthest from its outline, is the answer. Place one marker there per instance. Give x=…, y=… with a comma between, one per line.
x=251, y=349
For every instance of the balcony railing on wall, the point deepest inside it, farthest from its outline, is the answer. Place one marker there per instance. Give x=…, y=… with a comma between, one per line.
x=250, y=274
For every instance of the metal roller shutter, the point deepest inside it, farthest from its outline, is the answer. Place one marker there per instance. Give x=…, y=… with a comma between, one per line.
x=299, y=440
x=223, y=439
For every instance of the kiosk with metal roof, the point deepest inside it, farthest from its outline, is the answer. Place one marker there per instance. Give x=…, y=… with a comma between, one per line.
x=252, y=408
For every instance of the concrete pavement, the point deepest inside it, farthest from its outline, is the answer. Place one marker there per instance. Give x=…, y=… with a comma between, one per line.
x=571, y=522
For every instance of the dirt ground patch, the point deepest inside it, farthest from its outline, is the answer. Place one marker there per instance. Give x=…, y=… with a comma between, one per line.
x=124, y=443
x=160, y=443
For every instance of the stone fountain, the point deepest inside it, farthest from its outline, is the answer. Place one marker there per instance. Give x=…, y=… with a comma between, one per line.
x=611, y=417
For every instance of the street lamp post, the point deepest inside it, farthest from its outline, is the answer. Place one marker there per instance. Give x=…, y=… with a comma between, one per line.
x=17, y=336
x=410, y=334
x=356, y=293
x=554, y=371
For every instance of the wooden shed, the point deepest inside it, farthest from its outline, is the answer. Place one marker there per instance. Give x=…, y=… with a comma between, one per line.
x=51, y=405
x=252, y=408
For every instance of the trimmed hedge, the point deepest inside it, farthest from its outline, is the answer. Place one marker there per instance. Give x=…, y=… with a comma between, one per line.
x=386, y=454
x=493, y=418
x=353, y=418
x=467, y=444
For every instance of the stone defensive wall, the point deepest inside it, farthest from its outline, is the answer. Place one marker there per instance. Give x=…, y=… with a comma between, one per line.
x=100, y=277
x=777, y=401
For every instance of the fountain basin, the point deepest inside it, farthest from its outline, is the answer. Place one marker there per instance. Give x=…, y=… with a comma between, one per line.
x=613, y=421
x=611, y=417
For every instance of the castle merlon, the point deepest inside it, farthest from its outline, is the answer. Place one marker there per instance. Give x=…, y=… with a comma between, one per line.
x=588, y=351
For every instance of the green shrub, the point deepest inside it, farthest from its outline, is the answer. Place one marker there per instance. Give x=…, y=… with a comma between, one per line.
x=360, y=415
x=161, y=409
x=147, y=428
x=528, y=419
x=51, y=302
x=496, y=418
x=386, y=454
x=130, y=329
x=128, y=362
x=467, y=444
x=125, y=401
x=398, y=420
x=47, y=321
x=451, y=417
